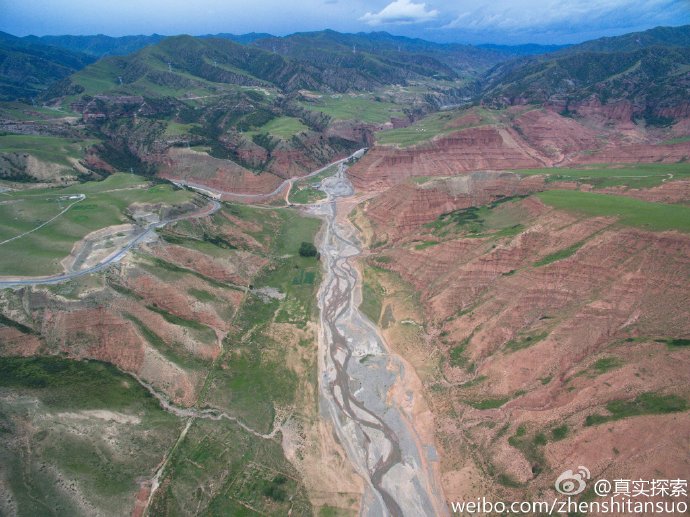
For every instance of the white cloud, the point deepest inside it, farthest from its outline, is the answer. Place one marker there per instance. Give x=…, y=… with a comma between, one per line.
x=400, y=12
x=507, y=15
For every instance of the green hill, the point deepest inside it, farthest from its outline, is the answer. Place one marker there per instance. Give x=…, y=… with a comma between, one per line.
x=380, y=58
x=653, y=76
x=26, y=69
x=657, y=37
x=98, y=45
x=315, y=61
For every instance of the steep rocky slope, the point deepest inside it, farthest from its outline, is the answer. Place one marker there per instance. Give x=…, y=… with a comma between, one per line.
x=465, y=150
x=407, y=207
x=523, y=137
x=545, y=338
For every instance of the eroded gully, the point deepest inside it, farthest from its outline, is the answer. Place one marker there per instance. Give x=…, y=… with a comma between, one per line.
x=358, y=375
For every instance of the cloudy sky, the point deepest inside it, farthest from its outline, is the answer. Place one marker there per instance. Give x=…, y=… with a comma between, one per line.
x=466, y=21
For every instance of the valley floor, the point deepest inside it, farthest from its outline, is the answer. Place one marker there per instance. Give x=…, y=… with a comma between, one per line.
x=379, y=423
x=477, y=322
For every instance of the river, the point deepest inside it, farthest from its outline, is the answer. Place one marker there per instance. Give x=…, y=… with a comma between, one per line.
x=357, y=374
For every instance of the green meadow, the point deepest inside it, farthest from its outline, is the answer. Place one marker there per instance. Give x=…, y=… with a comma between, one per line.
x=305, y=194
x=283, y=128
x=46, y=148
x=644, y=175
x=360, y=108
x=40, y=252
x=432, y=125
x=628, y=211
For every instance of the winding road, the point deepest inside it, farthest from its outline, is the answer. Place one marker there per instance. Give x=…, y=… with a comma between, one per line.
x=146, y=231
x=261, y=197
x=357, y=376
x=11, y=281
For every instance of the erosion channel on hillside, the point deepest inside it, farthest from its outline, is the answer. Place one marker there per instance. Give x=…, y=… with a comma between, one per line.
x=366, y=389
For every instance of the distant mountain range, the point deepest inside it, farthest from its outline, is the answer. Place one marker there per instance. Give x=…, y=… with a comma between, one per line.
x=657, y=37
x=529, y=49
x=324, y=60
x=649, y=69
x=27, y=68
x=101, y=45
x=640, y=66
x=367, y=60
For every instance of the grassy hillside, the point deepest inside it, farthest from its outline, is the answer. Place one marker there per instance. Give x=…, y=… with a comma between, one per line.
x=644, y=175
x=628, y=211
x=362, y=108
x=384, y=58
x=90, y=422
x=657, y=37
x=48, y=148
x=432, y=125
x=652, y=76
x=106, y=202
x=98, y=45
x=258, y=368
x=282, y=128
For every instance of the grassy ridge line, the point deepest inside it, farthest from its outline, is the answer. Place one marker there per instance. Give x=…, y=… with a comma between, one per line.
x=46, y=148
x=559, y=255
x=610, y=175
x=629, y=211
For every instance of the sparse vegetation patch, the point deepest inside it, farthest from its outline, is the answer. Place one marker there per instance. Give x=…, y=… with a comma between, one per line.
x=644, y=404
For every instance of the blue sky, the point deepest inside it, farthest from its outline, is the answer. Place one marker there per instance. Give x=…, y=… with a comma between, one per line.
x=465, y=21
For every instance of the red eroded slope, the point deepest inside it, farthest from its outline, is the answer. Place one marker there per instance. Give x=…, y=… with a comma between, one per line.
x=554, y=135
x=635, y=153
x=525, y=138
x=225, y=175
x=407, y=206
x=513, y=348
x=482, y=148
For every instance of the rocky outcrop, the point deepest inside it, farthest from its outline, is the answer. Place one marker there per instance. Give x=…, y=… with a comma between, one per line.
x=555, y=136
x=543, y=345
x=406, y=207
x=524, y=137
x=482, y=148
x=235, y=267
x=225, y=175
x=619, y=112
